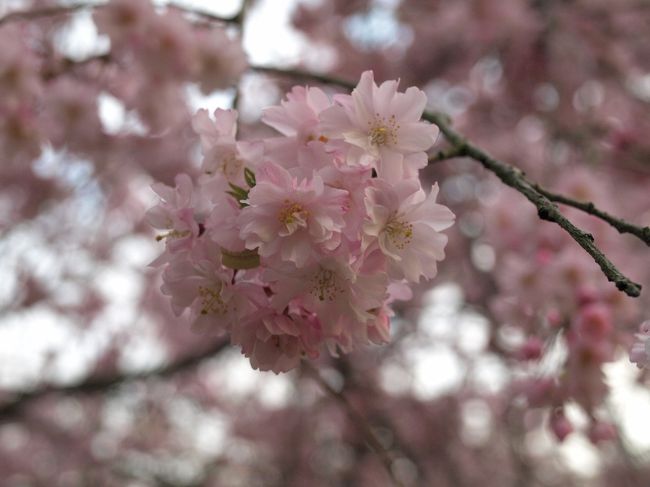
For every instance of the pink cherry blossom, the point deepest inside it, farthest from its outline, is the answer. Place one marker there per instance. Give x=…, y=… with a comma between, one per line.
x=176, y=214
x=221, y=60
x=291, y=219
x=224, y=158
x=298, y=115
x=384, y=124
x=199, y=283
x=343, y=298
x=278, y=341
x=405, y=224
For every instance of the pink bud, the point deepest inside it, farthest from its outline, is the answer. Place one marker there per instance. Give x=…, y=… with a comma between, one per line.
x=560, y=425
x=599, y=431
x=554, y=317
x=586, y=295
x=544, y=256
x=532, y=349
x=539, y=391
x=594, y=322
x=645, y=328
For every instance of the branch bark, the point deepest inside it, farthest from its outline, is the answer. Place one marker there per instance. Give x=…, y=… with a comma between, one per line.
x=642, y=233
x=101, y=384
x=371, y=438
x=45, y=12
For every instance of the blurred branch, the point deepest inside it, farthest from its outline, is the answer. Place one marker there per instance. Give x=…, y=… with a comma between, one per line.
x=371, y=438
x=240, y=17
x=304, y=75
x=509, y=175
x=45, y=12
x=240, y=21
x=100, y=384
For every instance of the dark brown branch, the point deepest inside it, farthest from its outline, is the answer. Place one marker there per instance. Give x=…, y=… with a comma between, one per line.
x=508, y=174
x=304, y=75
x=102, y=384
x=443, y=155
x=546, y=209
x=42, y=13
x=71, y=9
x=240, y=21
x=643, y=233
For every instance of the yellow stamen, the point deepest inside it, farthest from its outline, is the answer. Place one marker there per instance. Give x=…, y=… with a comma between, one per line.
x=400, y=232
x=383, y=131
x=325, y=285
x=211, y=301
x=292, y=212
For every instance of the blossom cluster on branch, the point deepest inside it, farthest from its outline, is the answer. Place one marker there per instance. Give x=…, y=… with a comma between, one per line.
x=303, y=244
x=296, y=243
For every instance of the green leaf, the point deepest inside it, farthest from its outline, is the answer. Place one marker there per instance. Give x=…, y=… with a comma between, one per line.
x=249, y=176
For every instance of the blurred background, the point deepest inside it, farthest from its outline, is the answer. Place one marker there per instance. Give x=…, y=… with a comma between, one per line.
x=101, y=385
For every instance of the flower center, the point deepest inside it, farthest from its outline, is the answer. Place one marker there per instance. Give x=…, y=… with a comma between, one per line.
x=211, y=301
x=293, y=215
x=324, y=285
x=383, y=131
x=400, y=232
x=312, y=137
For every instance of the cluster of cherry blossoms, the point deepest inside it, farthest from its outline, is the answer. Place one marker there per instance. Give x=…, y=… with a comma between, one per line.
x=296, y=243
x=571, y=324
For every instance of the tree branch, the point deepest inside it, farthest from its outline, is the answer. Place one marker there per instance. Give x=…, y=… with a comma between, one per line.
x=42, y=12
x=305, y=75
x=71, y=9
x=443, y=155
x=371, y=438
x=643, y=233
x=508, y=174
x=100, y=384
x=546, y=210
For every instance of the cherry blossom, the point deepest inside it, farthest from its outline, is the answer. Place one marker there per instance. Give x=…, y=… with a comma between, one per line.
x=292, y=219
x=384, y=124
x=406, y=225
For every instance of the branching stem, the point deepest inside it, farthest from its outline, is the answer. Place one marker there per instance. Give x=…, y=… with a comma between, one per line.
x=102, y=384
x=45, y=12
x=371, y=438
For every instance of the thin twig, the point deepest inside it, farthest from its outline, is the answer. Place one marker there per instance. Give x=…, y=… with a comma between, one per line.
x=443, y=155
x=546, y=210
x=305, y=75
x=508, y=174
x=643, y=233
x=240, y=21
x=45, y=12
x=371, y=438
x=101, y=384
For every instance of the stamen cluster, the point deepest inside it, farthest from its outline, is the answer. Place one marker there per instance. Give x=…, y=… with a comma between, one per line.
x=304, y=242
